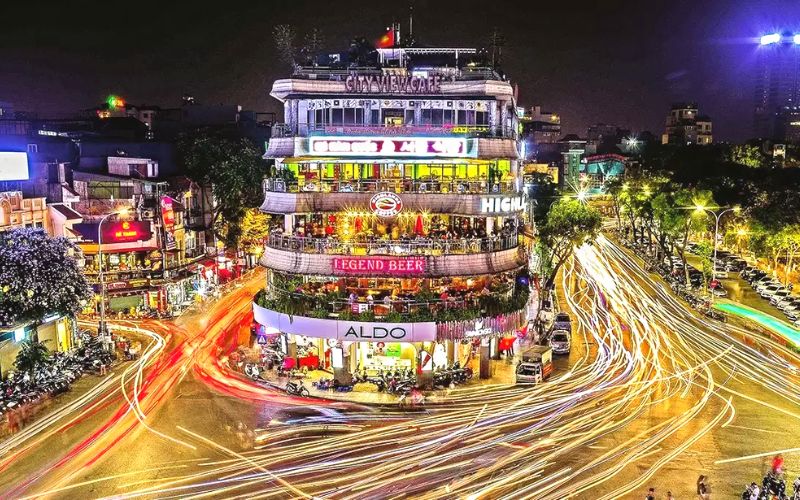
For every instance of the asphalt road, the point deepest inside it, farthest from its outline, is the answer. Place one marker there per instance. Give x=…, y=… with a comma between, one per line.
x=653, y=395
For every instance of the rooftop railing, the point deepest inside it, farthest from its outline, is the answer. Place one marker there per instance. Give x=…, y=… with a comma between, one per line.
x=474, y=131
x=415, y=246
x=433, y=186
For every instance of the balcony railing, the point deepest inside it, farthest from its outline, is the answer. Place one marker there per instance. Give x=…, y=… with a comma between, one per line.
x=303, y=130
x=417, y=246
x=341, y=73
x=393, y=185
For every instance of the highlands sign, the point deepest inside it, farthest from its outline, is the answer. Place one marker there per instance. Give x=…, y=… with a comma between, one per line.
x=393, y=84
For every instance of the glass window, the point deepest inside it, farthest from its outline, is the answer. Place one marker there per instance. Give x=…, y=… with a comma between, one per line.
x=374, y=117
x=436, y=117
x=481, y=118
x=337, y=116
x=409, y=120
x=349, y=116
x=448, y=117
x=426, y=117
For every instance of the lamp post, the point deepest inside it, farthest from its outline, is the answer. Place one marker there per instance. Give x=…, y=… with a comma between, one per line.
x=717, y=216
x=102, y=329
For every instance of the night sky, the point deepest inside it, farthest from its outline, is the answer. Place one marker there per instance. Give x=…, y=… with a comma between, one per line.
x=620, y=62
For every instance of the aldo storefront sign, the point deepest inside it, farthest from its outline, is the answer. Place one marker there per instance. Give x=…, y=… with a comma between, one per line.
x=352, y=331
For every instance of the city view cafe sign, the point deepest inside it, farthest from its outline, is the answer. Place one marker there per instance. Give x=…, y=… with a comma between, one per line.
x=395, y=84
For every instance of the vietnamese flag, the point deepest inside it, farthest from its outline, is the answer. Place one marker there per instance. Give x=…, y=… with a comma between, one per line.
x=387, y=40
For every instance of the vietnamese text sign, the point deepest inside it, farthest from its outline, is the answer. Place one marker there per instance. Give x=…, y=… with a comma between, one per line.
x=392, y=266
x=125, y=231
x=389, y=146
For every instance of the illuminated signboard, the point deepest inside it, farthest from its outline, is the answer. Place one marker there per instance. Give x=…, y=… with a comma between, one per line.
x=391, y=266
x=126, y=231
x=502, y=204
x=389, y=146
x=395, y=84
x=385, y=204
x=13, y=166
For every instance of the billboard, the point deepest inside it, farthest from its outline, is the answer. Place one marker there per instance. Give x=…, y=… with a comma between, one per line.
x=13, y=166
x=126, y=231
x=390, y=146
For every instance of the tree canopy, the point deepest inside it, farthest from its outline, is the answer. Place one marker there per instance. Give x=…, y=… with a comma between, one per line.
x=569, y=223
x=234, y=168
x=38, y=276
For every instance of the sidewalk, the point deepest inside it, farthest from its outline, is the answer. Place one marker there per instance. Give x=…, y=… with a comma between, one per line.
x=49, y=405
x=502, y=372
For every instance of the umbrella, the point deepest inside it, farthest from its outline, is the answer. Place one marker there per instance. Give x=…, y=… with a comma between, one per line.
x=418, y=225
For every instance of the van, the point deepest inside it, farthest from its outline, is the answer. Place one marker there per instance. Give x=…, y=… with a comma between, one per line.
x=535, y=365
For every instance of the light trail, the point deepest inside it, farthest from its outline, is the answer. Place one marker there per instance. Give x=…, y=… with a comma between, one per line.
x=653, y=380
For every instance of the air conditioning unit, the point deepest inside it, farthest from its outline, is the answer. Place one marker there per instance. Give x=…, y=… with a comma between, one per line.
x=148, y=213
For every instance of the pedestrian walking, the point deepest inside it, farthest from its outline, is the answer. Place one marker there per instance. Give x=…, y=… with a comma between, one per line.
x=670, y=496
x=102, y=368
x=651, y=494
x=777, y=464
x=702, y=488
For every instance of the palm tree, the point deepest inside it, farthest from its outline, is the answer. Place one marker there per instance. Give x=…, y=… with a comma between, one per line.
x=31, y=354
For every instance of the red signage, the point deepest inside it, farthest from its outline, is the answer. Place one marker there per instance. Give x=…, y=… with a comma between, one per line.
x=383, y=146
x=386, y=204
x=392, y=266
x=126, y=231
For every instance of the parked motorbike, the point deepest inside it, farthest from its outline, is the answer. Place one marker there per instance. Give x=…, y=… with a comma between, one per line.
x=296, y=388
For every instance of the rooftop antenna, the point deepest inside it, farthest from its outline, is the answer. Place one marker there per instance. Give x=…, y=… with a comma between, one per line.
x=410, y=20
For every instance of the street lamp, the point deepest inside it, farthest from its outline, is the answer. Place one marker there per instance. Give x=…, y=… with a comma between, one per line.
x=102, y=329
x=717, y=216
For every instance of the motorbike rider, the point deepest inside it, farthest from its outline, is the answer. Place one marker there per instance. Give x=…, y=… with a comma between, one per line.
x=796, y=488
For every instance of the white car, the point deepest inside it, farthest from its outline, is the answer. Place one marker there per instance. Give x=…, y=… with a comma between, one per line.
x=559, y=342
x=771, y=290
x=797, y=323
x=786, y=302
x=777, y=296
x=720, y=272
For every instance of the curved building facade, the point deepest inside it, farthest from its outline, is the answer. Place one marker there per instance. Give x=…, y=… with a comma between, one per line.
x=400, y=198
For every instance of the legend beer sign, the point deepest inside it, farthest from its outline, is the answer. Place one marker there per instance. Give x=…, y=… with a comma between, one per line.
x=389, y=146
x=381, y=266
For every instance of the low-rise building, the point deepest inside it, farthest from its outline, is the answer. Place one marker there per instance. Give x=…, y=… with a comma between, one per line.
x=684, y=125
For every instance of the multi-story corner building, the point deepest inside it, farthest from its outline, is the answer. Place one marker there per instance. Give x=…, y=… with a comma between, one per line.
x=400, y=192
x=684, y=125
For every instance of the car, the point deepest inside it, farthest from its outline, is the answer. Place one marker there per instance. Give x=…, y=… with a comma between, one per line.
x=785, y=302
x=761, y=285
x=720, y=272
x=793, y=315
x=560, y=342
x=796, y=323
x=719, y=291
x=771, y=290
x=777, y=296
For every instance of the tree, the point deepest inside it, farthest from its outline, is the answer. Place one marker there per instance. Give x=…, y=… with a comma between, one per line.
x=747, y=155
x=569, y=223
x=38, y=276
x=234, y=169
x=284, y=35
x=30, y=355
x=255, y=230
